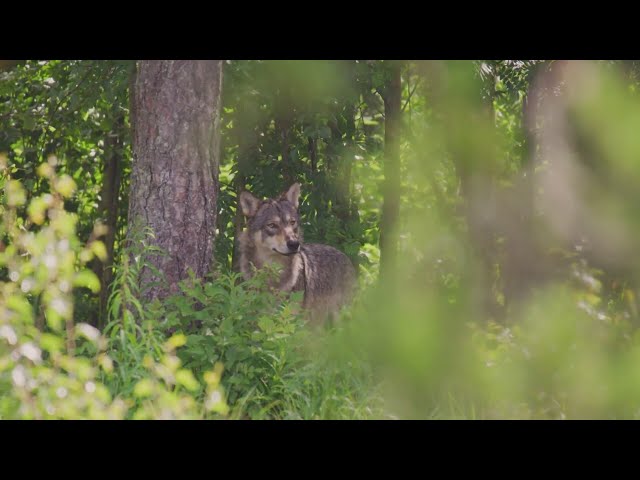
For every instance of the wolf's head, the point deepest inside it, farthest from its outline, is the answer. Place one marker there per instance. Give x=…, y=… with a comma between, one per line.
x=273, y=224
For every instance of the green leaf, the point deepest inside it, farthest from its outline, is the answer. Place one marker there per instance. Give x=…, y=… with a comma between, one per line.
x=144, y=388
x=187, y=380
x=177, y=340
x=100, y=251
x=51, y=343
x=16, y=194
x=65, y=186
x=88, y=279
x=21, y=306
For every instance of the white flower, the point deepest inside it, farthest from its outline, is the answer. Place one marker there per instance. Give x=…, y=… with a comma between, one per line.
x=50, y=261
x=7, y=332
x=30, y=351
x=18, y=376
x=88, y=331
x=64, y=286
x=60, y=306
x=27, y=285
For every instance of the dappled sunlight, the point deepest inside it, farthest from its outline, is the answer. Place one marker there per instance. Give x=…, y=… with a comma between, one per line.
x=500, y=196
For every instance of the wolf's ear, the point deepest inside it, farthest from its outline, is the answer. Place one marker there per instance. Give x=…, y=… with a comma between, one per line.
x=293, y=194
x=249, y=204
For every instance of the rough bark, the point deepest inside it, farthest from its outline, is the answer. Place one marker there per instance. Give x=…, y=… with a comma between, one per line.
x=391, y=186
x=174, y=179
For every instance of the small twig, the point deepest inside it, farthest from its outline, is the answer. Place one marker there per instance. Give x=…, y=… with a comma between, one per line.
x=361, y=114
x=409, y=97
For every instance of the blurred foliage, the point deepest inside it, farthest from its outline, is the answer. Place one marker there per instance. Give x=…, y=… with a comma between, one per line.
x=515, y=292
x=51, y=367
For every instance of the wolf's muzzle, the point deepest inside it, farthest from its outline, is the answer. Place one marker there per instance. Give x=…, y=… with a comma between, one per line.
x=293, y=245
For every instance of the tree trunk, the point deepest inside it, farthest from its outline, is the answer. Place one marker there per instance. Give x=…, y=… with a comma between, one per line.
x=343, y=185
x=338, y=158
x=391, y=186
x=284, y=125
x=108, y=211
x=174, y=178
x=238, y=222
x=245, y=136
x=312, y=147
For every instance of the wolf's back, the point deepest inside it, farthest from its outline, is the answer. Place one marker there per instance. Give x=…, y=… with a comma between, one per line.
x=329, y=275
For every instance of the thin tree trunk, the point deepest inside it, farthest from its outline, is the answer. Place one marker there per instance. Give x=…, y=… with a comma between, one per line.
x=244, y=133
x=472, y=157
x=526, y=263
x=174, y=179
x=108, y=211
x=283, y=125
x=391, y=186
x=238, y=222
x=343, y=179
x=312, y=147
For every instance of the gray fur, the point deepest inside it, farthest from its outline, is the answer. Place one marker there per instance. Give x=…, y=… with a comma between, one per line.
x=325, y=274
x=330, y=279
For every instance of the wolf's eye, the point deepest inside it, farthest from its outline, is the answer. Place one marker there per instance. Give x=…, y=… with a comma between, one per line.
x=292, y=222
x=272, y=225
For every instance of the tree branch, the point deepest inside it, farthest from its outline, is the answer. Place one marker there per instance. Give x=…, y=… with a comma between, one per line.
x=409, y=97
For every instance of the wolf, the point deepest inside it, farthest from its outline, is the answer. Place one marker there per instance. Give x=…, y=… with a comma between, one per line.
x=274, y=235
